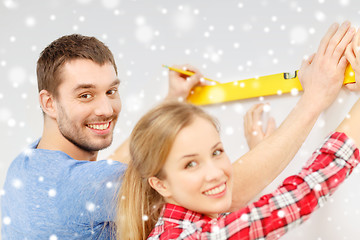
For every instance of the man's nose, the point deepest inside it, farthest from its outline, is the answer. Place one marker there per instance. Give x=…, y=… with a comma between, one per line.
x=104, y=107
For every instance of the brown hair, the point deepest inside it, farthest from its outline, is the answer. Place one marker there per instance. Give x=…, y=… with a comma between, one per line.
x=65, y=49
x=139, y=205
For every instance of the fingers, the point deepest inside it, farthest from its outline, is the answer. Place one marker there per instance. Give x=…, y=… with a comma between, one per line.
x=340, y=40
x=248, y=119
x=326, y=39
x=252, y=118
x=195, y=79
x=308, y=60
x=352, y=86
x=271, y=127
x=311, y=58
x=350, y=55
x=192, y=80
x=257, y=116
x=356, y=40
x=340, y=49
x=343, y=63
x=254, y=133
x=352, y=52
x=187, y=67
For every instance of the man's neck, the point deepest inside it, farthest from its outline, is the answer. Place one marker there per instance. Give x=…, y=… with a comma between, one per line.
x=52, y=139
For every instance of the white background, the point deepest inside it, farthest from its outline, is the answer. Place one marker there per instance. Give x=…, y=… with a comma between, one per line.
x=226, y=40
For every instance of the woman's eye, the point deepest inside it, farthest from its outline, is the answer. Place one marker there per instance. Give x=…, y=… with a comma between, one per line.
x=217, y=152
x=191, y=164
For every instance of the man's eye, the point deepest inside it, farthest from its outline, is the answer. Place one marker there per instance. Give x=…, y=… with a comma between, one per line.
x=85, y=96
x=191, y=164
x=111, y=92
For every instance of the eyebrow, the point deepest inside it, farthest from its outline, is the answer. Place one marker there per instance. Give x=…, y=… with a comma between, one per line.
x=195, y=154
x=88, y=85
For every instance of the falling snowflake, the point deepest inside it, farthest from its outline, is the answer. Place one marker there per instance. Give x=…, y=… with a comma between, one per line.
x=53, y=237
x=298, y=35
x=7, y=220
x=52, y=193
x=294, y=92
x=11, y=4
x=184, y=19
x=244, y=217
x=144, y=34
x=344, y=2
x=229, y=131
x=17, y=183
x=17, y=76
x=90, y=206
x=133, y=103
x=320, y=16
x=281, y=214
x=110, y=4
x=5, y=114
x=30, y=22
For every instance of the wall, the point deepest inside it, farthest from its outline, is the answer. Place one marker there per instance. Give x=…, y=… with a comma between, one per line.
x=226, y=40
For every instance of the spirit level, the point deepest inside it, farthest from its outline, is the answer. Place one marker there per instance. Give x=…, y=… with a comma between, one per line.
x=275, y=84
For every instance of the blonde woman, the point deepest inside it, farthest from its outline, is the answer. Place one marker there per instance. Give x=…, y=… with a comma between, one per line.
x=179, y=181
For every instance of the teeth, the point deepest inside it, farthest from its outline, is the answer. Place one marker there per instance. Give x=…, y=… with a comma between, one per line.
x=215, y=190
x=99, y=126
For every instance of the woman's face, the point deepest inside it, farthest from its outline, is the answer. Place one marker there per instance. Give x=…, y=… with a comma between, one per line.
x=198, y=173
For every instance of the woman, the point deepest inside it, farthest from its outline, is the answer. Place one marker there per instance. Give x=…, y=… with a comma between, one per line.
x=179, y=182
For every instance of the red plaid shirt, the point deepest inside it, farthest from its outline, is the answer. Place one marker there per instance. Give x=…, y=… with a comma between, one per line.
x=274, y=214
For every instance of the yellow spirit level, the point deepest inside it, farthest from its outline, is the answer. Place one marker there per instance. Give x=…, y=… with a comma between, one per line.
x=275, y=84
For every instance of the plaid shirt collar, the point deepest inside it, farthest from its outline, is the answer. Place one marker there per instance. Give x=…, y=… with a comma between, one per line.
x=177, y=214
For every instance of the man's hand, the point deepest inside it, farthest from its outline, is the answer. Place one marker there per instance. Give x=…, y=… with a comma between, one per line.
x=253, y=125
x=322, y=74
x=352, y=54
x=180, y=84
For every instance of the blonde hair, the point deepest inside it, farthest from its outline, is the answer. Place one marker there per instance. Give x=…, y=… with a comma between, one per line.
x=139, y=205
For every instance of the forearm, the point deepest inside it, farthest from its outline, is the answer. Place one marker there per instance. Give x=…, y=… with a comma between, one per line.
x=260, y=166
x=300, y=195
x=351, y=124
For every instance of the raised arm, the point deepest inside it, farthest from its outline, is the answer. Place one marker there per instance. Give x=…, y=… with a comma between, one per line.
x=321, y=77
x=351, y=124
x=179, y=88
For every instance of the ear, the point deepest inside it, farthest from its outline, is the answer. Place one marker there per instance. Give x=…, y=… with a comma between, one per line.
x=47, y=103
x=160, y=186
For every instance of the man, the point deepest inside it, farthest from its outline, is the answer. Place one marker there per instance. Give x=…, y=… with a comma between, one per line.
x=57, y=190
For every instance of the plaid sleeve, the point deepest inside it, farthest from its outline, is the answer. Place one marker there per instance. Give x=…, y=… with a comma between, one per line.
x=292, y=203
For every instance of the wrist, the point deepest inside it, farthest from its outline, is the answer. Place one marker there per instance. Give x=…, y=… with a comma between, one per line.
x=313, y=103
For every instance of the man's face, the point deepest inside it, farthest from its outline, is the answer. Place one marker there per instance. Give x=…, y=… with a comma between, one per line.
x=88, y=104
